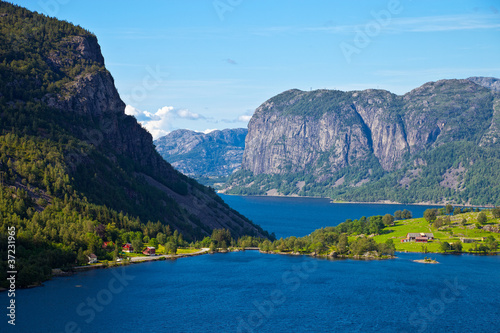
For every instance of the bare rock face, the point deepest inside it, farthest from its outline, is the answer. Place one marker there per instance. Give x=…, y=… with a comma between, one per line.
x=280, y=145
x=321, y=132
x=281, y=140
x=487, y=82
x=218, y=153
x=90, y=93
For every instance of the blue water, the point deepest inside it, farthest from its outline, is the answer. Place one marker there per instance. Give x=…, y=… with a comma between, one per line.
x=304, y=215
x=254, y=292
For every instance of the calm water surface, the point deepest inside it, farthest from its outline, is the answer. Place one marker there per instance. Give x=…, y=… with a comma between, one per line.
x=254, y=292
x=300, y=216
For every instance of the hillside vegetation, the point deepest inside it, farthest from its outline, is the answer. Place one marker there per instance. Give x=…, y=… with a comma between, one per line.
x=75, y=171
x=439, y=143
x=464, y=231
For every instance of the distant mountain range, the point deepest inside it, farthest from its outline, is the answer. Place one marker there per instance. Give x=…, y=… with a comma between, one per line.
x=438, y=143
x=215, y=154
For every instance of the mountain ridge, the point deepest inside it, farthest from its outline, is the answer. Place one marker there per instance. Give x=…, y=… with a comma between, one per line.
x=214, y=154
x=76, y=171
x=346, y=140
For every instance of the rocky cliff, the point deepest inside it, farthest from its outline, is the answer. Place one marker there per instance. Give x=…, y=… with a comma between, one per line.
x=215, y=154
x=350, y=139
x=56, y=89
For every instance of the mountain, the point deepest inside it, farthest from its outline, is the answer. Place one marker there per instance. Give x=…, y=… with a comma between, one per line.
x=488, y=82
x=215, y=154
x=437, y=143
x=75, y=170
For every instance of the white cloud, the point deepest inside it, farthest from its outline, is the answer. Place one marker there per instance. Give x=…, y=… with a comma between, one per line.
x=131, y=111
x=188, y=115
x=209, y=130
x=399, y=24
x=160, y=123
x=244, y=118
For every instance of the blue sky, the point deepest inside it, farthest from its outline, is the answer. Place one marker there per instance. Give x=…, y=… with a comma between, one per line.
x=207, y=64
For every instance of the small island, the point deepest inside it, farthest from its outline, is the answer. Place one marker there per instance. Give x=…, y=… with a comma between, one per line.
x=426, y=261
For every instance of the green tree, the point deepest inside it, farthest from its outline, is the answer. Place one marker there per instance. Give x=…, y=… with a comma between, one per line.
x=482, y=218
x=398, y=214
x=456, y=246
x=438, y=223
x=406, y=214
x=457, y=211
x=160, y=237
x=213, y=247
x=492, y=243
x=388, y=219
x=137, y=244
x=448, y=209
x=445, y=246
x=221, y=235
x=496, y=212
x=343, y=243
x=375, y=224
x=430, y=214
x=171, y=248
x=154, y=242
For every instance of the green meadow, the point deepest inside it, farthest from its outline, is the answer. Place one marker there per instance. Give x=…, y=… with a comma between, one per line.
x=451, y=232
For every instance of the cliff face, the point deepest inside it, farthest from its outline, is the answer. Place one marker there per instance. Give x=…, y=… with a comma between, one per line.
x=218, y=153
x=110, y=158
x=120, y=137
x=325, y=131
x=330, y=143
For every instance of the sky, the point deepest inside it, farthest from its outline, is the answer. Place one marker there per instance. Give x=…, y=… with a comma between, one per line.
x=208, y=64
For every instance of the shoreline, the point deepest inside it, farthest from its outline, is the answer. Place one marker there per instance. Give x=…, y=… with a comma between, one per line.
x=57, y=272
x=381, y=202
x=138, y=260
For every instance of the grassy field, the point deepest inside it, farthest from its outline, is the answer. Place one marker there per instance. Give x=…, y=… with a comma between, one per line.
x=161, y=250
x=187, y=250
x=453, y=233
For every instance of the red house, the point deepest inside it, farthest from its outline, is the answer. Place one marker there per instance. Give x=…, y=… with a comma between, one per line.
x=105, y=244
x=149, y=251
x=419, y=237
x=127, y=248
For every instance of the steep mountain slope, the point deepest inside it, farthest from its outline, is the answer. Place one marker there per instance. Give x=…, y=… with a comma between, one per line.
x=214, y=154
x=75, y=170
x=374, y=145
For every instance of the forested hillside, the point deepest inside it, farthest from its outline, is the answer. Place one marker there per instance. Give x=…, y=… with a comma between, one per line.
x=438, y=143
x=75, y=171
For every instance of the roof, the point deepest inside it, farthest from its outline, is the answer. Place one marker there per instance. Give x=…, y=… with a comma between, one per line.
x=420, y=234
x=92, y=256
